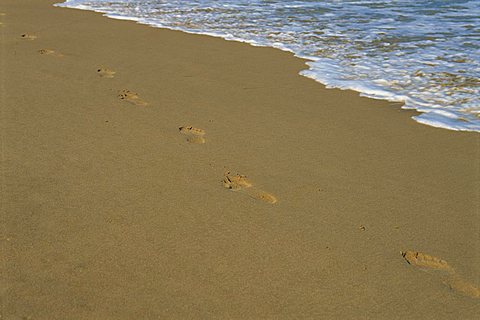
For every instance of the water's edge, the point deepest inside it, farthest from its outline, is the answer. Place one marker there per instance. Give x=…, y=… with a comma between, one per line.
x=426, y=117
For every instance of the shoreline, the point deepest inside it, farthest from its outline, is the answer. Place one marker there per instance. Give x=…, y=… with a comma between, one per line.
x=425, y=114
x=112, y=212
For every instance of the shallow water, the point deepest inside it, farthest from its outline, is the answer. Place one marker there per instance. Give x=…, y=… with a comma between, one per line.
x=425, y=54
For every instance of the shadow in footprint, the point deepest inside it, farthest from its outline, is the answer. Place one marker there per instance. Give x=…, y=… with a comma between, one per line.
x=237, y=182
x=194, y=135
x=131, y=97
x=447, y=273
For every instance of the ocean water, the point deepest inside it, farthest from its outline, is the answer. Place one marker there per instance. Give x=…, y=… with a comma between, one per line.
x=425, y=54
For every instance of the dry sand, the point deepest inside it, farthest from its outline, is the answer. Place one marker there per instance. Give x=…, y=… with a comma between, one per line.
x=109, y=211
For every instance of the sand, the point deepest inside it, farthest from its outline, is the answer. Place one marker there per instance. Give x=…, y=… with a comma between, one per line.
x=152, y=174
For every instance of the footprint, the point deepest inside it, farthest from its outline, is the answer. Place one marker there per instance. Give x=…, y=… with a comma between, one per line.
x=194, y=135
x=456, y=283
x=131, y=97
x=423, y=260
x=452, y=279
x=27, y=36
x=261, y=195
x=240, y=182
x=235, y=182
x=105, y=73
x=49, y=52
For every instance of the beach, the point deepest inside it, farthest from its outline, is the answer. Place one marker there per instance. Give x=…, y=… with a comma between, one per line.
x=155, y=174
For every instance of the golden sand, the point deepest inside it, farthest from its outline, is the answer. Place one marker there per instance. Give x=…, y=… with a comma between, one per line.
x=108, y=212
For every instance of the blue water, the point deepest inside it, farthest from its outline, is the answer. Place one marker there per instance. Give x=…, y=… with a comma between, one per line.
x=425, y=54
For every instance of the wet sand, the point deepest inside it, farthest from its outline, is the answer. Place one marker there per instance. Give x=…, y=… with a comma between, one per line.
x=153, y=174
